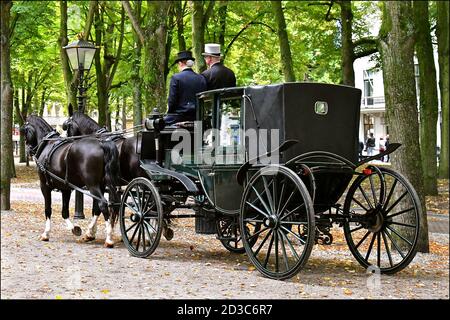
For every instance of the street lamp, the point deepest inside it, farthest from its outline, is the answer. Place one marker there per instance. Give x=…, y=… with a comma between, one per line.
x=81, y=54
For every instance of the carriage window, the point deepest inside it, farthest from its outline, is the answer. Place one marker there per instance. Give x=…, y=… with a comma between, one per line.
x=230, y=122
x=321, y=107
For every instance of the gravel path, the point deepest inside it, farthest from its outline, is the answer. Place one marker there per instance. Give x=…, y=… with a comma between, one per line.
x=191, y=266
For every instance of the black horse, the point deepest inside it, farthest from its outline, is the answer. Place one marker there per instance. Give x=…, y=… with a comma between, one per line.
x=85, y=162
x=81, y=124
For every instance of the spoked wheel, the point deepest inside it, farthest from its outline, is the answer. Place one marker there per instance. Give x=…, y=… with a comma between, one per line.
x=229, y=233
x=141, y=217
x=277, y=200
x=383, y=226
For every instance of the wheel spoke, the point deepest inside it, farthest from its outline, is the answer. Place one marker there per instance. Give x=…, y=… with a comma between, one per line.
x=134, y=200
x=268, y=251
x=395, y=244
x=134, y=234
x=388, y=251
x=269, y=196
x=295, y=235
x=396, y=202
x=402, y=224
x=276, y=252
x=295, y=223
x=290, y=245
x=362, y=240
x=283, y=250
x=286, y=203
x=131, y=227
x=360, y=204
x=148, y=232
x=262, y=202
x=370, y=247
x=291, y=212
x=139, y=197
x=262, y=243
x=391, y=192
x=131, y=208
x=257, y=209
x=400, y=212
x=257, y=233
x=139, y=237
x=143, y=237
x=280, y=201
x=399, y=235
x=372, y=187
x=365, y=196
x=253, y=220
x=149, y=225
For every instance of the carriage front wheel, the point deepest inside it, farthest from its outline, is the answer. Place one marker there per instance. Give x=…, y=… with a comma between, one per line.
x=383, y=223
x=141, y=217
x=278, y=218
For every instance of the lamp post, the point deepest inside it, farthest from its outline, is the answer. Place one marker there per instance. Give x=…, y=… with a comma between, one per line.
x=81, y=54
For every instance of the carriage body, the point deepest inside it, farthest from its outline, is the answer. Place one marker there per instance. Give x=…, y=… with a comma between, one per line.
x=277, y=159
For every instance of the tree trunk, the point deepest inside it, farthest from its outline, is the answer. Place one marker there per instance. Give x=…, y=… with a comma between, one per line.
x=397, y=52
x=198, y=34
x=23, y=115
x=347, y=54
x=180, y=25
x=71, y=86
x=285, y=49
x=222, y=22
x=6, y=108
x=124, y=113
x=135, y=68
x=155, y=56
x=428, y=97
x=443, y=54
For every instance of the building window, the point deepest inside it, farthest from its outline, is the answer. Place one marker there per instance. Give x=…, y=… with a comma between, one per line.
x=368, y=87
x=369, y=122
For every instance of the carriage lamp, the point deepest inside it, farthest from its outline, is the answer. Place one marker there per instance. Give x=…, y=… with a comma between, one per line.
x=81, y=54
x=155, y=121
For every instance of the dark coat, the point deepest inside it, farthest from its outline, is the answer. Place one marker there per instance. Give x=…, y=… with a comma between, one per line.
x=183, y=88
x=219, y=76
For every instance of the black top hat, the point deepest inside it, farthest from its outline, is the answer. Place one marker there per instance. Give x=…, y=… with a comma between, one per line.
x=184, y=55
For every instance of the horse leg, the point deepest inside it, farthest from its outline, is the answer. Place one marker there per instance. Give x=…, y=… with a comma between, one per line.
x=47, y=193
x=92, y=228
x=76, y=230
x=103, y=205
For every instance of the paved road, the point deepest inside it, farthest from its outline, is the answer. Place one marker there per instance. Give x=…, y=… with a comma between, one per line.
x=437, y=223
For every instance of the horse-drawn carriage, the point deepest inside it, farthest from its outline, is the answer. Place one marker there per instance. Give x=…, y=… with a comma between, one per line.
x=271, y=197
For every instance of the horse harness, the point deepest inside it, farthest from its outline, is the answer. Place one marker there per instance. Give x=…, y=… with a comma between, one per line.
x=43, y=167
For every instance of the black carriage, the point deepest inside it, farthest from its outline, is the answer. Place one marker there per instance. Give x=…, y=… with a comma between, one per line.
x=272, y=179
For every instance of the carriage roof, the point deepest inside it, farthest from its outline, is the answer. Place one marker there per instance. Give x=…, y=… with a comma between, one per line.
x=320, y=116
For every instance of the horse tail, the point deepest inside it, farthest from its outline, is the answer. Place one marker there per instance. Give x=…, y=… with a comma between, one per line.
x=112, y=173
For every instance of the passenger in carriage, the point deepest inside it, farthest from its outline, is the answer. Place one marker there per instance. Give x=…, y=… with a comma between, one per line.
x=217, y=76
x=184, y=86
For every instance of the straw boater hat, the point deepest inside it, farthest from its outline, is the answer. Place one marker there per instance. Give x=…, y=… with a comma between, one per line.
x=212, y=49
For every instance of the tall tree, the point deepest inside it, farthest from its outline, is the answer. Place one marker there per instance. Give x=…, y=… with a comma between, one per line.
x=200, y=18
x=135, y=69
x=350, y=49
x=153, y=36
x=6, y=154
x=443, y=54
x=285, y=49
x=70, y=84
x=427, y=96
x=107, y=62
x=396, y=46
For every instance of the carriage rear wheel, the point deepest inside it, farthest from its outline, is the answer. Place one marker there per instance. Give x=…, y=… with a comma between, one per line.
x=383, y=224
x=278, y=218
x=141, y=217
x=229, y=233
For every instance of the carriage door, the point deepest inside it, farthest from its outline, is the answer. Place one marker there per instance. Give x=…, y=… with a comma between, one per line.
x=229, y=154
